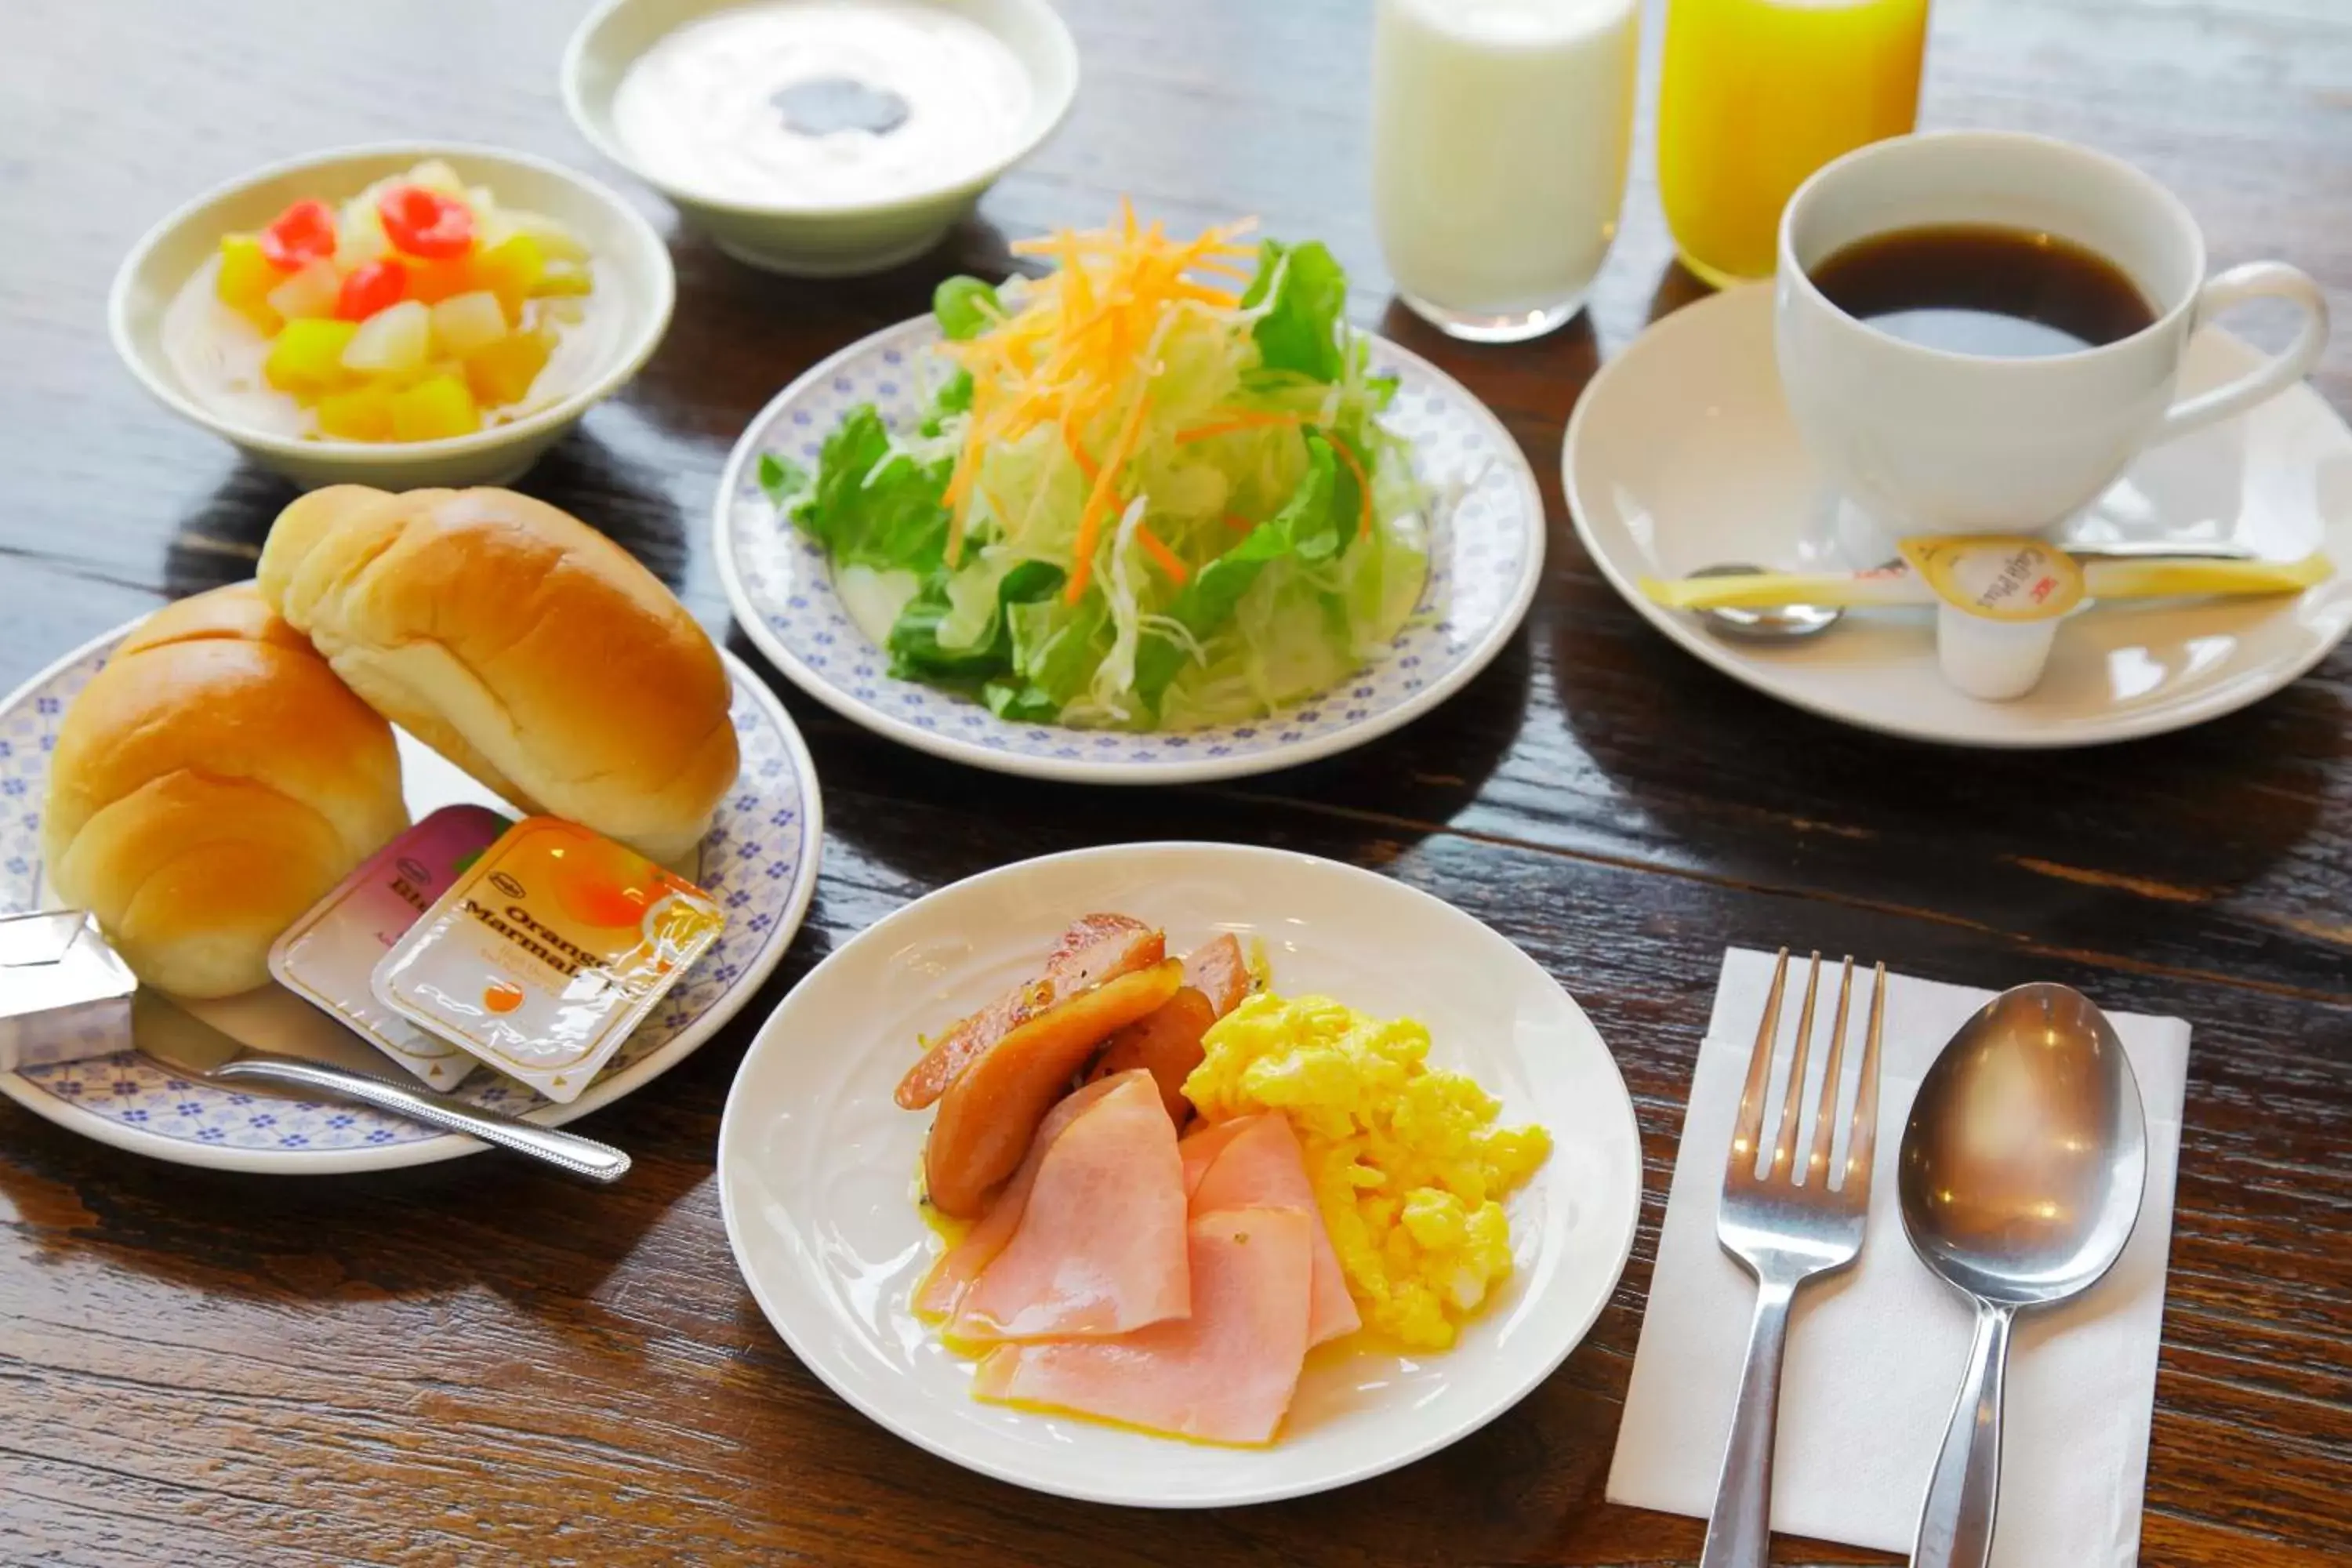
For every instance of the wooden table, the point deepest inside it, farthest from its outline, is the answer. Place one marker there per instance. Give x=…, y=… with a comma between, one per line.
x=473, y=1362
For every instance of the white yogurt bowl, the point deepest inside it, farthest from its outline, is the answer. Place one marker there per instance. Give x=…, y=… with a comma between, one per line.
x=631, y=260
x=838, y=235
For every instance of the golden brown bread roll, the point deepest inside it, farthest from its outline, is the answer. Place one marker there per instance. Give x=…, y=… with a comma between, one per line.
x=211, y=783
x=520, y=644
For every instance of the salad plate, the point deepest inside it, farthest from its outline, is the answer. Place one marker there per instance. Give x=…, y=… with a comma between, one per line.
x=1485, y=542
x=759, y=861
x=818, y=1167
x=1655, y=492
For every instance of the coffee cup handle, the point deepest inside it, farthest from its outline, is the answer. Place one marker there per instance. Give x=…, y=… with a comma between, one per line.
x=2254, y=280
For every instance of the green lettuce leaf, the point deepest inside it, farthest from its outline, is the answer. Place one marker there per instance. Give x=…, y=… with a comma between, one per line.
x=1309, y=527
x=917, y=652
x=874, y=507
x=966, y=308
x=1300, y=331
x=783, y=480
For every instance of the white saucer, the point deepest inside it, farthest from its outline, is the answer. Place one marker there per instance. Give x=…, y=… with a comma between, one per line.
x=1681, y=454
x=817, y=1168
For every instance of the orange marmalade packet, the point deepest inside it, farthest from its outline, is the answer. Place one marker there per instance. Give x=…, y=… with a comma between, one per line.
x=545, y=954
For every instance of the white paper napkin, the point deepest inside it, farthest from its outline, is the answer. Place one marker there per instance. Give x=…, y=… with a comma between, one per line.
x=1876, y=1353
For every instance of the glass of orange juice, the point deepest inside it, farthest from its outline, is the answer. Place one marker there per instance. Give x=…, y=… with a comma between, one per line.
x=1754, y=95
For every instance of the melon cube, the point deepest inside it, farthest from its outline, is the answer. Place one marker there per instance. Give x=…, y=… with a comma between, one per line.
x=311, y=291
x=433, y=408
x=307, y=355
x=396, y=338
x=464, y=323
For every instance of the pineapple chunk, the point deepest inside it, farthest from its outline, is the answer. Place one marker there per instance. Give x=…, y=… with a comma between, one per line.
x=502, y=372
x=555, y=242
x=362, y=414
x=307, y=355
x=313, y=292
x=396, y=338
x=564, y=279
x=433, y=174
x=433, y=408
x=359, y=234
x=464, y=323
x=509, y=270
x=246, y=279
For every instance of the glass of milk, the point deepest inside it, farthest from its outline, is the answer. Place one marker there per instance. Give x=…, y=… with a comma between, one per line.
x=1500, y=136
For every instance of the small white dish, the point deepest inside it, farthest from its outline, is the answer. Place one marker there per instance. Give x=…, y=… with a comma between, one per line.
x=1682, y=454
x=1486, y=551
x=632, y=262
x=814, y=239
x=759, y=861
x=817, y=1166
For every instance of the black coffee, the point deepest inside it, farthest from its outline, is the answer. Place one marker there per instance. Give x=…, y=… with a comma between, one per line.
x=1981, y=289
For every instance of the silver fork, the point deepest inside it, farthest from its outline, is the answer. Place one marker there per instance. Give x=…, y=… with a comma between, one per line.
x=1787, y=1227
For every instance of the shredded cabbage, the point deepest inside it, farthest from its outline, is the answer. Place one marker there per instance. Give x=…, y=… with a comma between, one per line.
x=1140, y=497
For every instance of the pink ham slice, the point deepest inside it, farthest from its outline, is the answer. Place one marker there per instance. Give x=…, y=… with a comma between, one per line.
x=1099, y=1246
x=1201, y=1146
x=944, y=1291
x=1259, y=1165
x=1225, y=1374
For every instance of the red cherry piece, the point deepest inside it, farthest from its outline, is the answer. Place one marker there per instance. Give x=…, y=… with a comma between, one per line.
x=367, y=289
x=303, y=233
x=425, y=222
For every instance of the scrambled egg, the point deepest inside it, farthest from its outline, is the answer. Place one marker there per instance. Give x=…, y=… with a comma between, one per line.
x=1407, y=1163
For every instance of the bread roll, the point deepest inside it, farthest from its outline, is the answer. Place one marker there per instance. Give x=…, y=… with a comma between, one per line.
x=211, y=783
x=520, y=644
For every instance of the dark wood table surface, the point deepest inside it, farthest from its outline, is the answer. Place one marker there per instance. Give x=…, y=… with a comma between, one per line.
x=473, y=1361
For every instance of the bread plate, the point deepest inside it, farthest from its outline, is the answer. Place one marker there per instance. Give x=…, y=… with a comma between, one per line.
x=759, y=860
x=817, y=1165
x=1486, y=550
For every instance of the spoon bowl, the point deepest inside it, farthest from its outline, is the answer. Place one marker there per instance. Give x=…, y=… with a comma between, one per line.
x=2019, y=1179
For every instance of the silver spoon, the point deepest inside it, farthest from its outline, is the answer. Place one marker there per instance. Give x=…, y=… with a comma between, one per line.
x=2019, y=1179
x=1794, y=622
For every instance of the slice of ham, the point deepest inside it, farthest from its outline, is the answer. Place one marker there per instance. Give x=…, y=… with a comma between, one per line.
x=1099, y=1247
x=1219, y=971
x=1258, y=1164
x=944, y=1291
x=1225, y=1374
x=1095, y=949
x=1200, y=1147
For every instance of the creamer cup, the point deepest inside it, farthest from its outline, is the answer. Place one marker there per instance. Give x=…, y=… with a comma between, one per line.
x=1998, y=602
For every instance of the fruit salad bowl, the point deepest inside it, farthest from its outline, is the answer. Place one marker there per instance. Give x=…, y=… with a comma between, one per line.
x=634, y=290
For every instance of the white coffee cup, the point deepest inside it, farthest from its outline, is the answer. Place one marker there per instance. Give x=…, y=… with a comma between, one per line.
x=1928, y=441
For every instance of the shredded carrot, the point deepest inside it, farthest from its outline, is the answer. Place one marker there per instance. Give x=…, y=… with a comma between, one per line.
x=1235, y=424
x=1168, y=560
x=1363, y=484
x=1090, y=520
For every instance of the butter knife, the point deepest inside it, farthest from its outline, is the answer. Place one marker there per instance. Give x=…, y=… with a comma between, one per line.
x=186, y=1044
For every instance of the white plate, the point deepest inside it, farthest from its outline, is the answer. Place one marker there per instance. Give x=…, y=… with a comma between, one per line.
x=759, y=860
x=817, y=1166
x=1486, y=557
x=1682, y=454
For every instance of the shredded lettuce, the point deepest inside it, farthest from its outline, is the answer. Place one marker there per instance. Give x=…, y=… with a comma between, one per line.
x=1260, y=534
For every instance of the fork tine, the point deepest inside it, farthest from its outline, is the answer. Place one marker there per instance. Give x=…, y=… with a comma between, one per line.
x=1862, y=1142
x=1784, y=1147
x=1817, y=1168
x=1750, y=1128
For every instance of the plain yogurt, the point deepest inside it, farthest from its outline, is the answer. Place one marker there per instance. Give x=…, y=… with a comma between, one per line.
x=823, y=103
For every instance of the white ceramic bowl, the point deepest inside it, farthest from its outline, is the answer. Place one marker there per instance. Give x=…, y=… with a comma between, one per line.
x=632, y=264
x=816, y=240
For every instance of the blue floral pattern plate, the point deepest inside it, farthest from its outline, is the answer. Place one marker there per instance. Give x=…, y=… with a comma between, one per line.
x=1485, y=555
x=759, y=861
